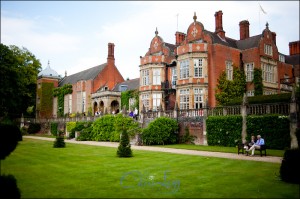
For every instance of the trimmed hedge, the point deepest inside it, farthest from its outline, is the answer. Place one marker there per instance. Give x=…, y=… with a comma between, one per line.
x=85, y=129
x=226, y=130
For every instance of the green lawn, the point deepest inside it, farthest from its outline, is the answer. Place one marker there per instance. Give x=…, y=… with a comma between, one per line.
x=82, y=171
x=270, y=152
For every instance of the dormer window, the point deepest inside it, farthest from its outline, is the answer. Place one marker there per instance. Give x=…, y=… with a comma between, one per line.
x=105, y=88
x=123, y=88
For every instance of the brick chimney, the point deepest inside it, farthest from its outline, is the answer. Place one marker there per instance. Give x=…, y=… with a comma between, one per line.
x=294, y=48
x=244, y=29
x=274, y=37
x=111, y=56
x=179, y=38
x=219, y=24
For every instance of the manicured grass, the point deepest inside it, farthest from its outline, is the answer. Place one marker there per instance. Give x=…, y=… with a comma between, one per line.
x=270, y=152
x=82, y=171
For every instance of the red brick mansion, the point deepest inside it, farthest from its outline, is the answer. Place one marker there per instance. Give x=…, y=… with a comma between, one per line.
x=187, y=72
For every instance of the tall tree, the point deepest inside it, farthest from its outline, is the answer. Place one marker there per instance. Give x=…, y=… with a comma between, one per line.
x=258, y=82
x=19, y=69
x=229, y=89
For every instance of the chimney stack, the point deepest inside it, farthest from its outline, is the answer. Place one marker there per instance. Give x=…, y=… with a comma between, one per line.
x=274, y=37
x=110, y=56
x=294, y=48
x=219, y=24
x=179, y=38
x=244, y=29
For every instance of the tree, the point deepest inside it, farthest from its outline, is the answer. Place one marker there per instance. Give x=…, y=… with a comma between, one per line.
x=123, y=124
x=19, y=69
x=258, y=82
x=230, y=89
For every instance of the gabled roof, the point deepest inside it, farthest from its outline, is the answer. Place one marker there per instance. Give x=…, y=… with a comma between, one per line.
x=292, y=59
x=170, y=46
x=132, y=84
x=88, y=74
x=248, y=43
x=217, y=39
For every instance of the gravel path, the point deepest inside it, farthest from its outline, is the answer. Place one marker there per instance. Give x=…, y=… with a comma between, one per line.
x=272, y=159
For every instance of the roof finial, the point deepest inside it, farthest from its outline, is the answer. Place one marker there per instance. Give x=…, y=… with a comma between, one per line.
x=48, y=64
x=195, y=17
x=156, y=32
x=267, y=25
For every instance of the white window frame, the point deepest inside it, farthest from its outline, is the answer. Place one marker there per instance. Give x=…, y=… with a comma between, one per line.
x=198, y=98
x=156, y=100
x=156, y=76
x=146, y=101
x=268, y=49
x=184, y=95
x=250, y=93
x=268, y=73
x=249, y=67
x=198, y=67
x=229, y=70
x=145, y=77
x=184, y=69
x=174, y=75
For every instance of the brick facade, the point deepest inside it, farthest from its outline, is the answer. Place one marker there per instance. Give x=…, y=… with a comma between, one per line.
x=198, y=58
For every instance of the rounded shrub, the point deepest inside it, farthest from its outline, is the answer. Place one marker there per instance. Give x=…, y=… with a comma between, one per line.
x=8, y=187
x=10, y=134
x=34, y=128
x=289, y=169
x=162, y=130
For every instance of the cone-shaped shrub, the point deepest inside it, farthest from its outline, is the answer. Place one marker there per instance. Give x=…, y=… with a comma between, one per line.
x=59, y=142
x=124, y=149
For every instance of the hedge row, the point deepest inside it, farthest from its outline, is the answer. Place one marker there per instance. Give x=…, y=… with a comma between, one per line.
x=226, y=130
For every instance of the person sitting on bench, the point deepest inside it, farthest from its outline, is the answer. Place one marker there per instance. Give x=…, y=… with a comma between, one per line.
x=250, y=144
x=260, y=141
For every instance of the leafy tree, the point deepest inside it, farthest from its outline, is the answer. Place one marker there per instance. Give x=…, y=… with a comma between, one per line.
x=258, y=82
x=18, y=69
x=230, y=89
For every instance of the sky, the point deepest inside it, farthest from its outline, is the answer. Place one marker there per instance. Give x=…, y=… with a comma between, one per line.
x=74, y=35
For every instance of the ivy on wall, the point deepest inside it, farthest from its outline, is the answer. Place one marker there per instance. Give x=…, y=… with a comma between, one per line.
x=229, y=89
x=46, y=100
x=258, y=82
x=60, y=93
x=126, y=95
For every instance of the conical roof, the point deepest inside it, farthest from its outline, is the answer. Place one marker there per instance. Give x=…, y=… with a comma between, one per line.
x=48, y=72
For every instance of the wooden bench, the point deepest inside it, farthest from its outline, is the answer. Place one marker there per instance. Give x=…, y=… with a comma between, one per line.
x=262, y=148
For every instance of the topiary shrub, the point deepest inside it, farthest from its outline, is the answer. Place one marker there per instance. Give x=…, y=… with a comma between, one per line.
x=34, y=128
x=124, y=149
x=8, y=187
x=289, y=169
x=54, y=128
x=162, y=130
x=10, y=134
x=59, y=142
